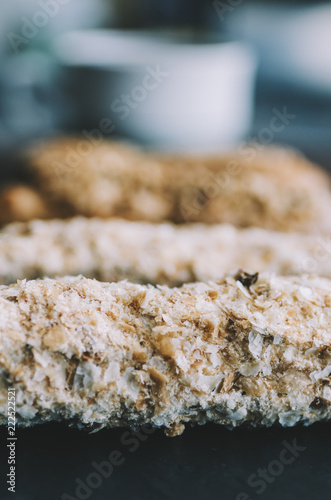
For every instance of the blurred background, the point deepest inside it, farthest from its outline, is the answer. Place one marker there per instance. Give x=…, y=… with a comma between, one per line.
x=181, y=75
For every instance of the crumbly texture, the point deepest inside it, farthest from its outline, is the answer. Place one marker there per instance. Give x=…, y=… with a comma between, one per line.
x=113, y=250
x=243, y=350
x=273, y=188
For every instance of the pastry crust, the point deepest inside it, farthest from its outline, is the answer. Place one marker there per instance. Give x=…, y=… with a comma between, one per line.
x=273, y=188
x=22, y=203
x=243, y=350
x=113, y=250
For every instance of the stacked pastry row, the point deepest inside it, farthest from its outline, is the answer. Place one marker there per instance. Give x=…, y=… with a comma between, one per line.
x=248, y=342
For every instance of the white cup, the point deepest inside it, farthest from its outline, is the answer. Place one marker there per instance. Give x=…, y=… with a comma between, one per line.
x=165, y=92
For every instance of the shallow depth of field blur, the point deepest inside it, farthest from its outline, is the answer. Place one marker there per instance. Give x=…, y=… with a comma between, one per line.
x=178, y=75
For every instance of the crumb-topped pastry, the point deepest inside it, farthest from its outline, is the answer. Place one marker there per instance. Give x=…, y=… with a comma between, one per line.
x=247, y=349
x=143, y=252
x=269, y=188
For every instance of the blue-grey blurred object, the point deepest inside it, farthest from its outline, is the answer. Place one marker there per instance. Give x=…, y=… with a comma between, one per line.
x=147, y=14
x=25, y=24
x=28, y=98
x=294, y=43
x=39, y=97
x=30, y=103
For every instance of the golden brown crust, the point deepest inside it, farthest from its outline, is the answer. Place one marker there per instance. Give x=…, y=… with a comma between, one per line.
x=273, y=189
x=100, y=354
x=22, y=203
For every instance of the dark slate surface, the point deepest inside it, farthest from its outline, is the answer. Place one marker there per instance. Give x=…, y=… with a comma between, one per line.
x=207, y=462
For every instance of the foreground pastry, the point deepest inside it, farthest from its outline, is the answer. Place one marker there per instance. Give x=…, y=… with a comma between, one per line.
x=272, y=188
x=113, y=250
x=243, y=350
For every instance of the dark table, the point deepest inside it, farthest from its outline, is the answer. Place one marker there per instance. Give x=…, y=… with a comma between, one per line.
x=207, y=462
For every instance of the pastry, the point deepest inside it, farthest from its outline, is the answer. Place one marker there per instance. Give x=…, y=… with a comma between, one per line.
x=142, y=252
x=272, y=188
x=248, y=349
x=22, y=203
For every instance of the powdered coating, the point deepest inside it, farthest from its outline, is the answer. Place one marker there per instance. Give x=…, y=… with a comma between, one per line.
x=113, y=250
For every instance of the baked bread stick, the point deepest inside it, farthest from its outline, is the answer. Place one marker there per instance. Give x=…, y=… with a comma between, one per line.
x=243, y=350
x=273, y=188
x=23, y=203
x=113, y=250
